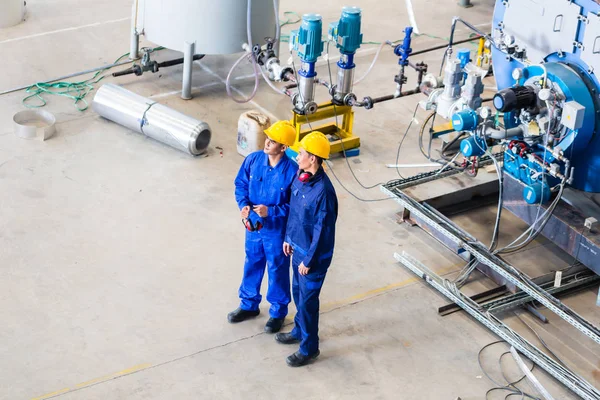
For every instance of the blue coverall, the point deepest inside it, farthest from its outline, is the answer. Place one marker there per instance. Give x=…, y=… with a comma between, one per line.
x=311, y=232
x=259, y=183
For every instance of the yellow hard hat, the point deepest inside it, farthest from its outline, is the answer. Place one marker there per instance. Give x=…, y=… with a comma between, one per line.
x=316, y=143
x=282, y=132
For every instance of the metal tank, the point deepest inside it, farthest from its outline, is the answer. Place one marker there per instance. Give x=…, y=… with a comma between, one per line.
x=216, y=27
x=11, y=12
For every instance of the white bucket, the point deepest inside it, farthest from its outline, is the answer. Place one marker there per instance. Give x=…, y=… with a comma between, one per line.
x=11, y=12
x=251, y=132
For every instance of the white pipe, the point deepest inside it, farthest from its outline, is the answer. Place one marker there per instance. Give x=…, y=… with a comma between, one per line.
x=134, y=45
x=411, y=16
x=277, y=27
x=188, y=62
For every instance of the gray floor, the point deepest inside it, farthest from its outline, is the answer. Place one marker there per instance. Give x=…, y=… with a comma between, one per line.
x=120, y=257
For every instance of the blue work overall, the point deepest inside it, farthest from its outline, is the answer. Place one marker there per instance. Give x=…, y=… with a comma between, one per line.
x=259, y=183
x=311, y=232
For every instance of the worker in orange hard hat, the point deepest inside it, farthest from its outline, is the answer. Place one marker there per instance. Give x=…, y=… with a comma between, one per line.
x=262, y=191
x=310, y=238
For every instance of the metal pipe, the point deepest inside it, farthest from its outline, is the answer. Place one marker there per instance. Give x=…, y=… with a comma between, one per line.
x=503, y=134
x=152, y=119
x=134, y=44
x=394, y=96
x=443, y=46
x=62, y=78
x=188, y=62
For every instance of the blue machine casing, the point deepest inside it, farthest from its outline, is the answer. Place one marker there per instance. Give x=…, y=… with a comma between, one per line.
x=578, y=82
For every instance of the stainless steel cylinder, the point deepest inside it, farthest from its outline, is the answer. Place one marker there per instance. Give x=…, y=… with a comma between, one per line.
x=345, y=77
x=188, y=63
x=306, y=89
x=152, y=119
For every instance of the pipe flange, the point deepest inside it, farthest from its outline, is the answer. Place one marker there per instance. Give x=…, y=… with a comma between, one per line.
x=311, y=107
x=32, y=124
x=349, y=99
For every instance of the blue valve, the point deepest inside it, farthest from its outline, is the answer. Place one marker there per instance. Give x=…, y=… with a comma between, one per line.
x=403, y=50
x=464, y=56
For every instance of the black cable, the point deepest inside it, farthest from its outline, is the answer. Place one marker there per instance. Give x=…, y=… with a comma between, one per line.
x=510, y=386
x=337, y=127
x=352, y=194
x=558, y=359
x=402, y=141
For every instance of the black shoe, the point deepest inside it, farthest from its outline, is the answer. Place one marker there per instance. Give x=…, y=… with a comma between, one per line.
x=240, y=315
x=298, y=359
x=274, y=325
x=286, y=338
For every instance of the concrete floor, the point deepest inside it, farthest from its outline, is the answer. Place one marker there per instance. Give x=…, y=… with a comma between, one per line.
x=120, y=257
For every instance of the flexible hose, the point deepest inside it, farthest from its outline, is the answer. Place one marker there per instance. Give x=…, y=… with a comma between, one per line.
x=271, y=85
x=228, y=81
x=357, y=81
x=253, y=60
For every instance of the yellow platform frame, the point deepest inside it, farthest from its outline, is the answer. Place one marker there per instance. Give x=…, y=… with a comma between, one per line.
x=328, y=111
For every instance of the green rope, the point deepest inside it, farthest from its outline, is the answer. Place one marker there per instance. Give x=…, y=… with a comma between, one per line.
x=76, y=91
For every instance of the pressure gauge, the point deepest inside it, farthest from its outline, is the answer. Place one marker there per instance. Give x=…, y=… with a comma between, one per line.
x=485, y=112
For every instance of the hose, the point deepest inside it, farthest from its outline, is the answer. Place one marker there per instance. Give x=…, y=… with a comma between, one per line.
x=251, y=54
x=357, y=81
x=228, y=80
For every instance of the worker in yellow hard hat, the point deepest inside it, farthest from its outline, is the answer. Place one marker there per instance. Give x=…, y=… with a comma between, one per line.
x=262, y=191
x=310, y=237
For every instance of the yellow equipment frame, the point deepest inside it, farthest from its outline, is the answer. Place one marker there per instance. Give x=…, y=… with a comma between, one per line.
x=328, y=111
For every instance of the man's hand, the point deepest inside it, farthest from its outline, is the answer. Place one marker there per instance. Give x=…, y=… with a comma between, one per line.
x=245, y=212
x=261, y=210
x=287, y=249
x=302, y=270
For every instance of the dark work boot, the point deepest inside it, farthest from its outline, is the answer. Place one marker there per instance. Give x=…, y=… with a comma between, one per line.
x=286, y=338
x=274, y=325
x=298, y=359
x=240, y=315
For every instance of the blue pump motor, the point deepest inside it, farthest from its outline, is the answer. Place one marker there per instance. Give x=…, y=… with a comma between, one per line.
x=465, y=120
x=536, y=193
x=473, y=146
x=307, y=40
x=346, y=31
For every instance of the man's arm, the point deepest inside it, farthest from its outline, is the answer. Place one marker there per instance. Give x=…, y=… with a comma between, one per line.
x=325, y=221
x=242, y=195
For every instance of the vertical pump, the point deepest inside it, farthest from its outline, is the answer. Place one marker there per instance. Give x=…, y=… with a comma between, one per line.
x=348, y=38
x=307, y=42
